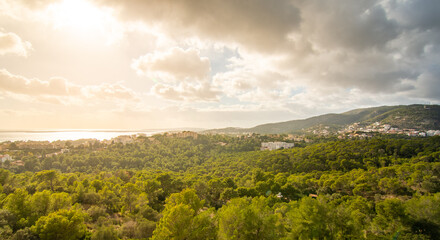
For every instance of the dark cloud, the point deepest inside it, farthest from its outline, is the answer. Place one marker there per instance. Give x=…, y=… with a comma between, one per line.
x=427, y=85
x=417, y=45
x=385, y=47
x=422, y=14
x=374, y=81
x=259, y=24
x=348, y=24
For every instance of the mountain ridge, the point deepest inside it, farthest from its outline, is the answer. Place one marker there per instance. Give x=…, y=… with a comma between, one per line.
x=416, y=116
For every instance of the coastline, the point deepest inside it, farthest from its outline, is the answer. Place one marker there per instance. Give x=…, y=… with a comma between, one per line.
x=64, y=135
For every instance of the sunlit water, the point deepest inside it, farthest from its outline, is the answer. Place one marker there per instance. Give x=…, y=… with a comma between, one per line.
x=68, y=135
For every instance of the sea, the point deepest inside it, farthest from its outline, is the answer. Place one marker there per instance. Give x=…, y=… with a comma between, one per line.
x=54, y=135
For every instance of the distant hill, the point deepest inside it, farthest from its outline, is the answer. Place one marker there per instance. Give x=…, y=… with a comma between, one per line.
x=419, y=117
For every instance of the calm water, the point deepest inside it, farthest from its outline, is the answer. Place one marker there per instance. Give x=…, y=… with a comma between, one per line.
x=68, y=135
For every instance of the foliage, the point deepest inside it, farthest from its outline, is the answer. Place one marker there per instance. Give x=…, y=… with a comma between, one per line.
x=185, y=188
x=63, y=224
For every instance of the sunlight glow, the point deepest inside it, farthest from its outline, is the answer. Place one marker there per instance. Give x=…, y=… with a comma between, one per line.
x=82, y=17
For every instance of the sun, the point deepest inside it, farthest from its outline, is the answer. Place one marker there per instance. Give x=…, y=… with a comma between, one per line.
x=80, y=15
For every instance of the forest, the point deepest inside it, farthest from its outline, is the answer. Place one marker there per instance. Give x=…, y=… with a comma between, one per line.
x=222, y=187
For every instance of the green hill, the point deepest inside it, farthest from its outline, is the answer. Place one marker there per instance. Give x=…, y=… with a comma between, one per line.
x=419, y=117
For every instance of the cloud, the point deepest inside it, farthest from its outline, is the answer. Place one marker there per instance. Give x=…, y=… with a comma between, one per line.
x=173, y=65
x=367, y=45
x=12, y=43
x=424, y=85
x=180, y=75
x=34, y=87
x=222, y=116
x=186, y=92
x=260, y=25
x=255, y=85
x=61, y=91
x=347, y=24
x=371, y=72
x=37, y=4
x=415, y=14
x=115, y=91
x=416, y=46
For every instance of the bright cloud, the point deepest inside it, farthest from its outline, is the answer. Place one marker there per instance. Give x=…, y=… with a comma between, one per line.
x=13, y=44
x=174, y=65
x=178, y=74
x=34, y=87
x=59, y=90
x=186, y=92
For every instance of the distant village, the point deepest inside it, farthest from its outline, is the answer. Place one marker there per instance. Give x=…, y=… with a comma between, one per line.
x=357, y=131
x=54, y=148
x=59, y=147
x=123, y=139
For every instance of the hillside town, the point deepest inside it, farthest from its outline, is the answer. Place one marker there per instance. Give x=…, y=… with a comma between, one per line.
x=377, y=127
x=356, y=130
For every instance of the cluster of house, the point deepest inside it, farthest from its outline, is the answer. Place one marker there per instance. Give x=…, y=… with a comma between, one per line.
x=7, y=157
x=124, y=139
x=276, y=145
x=63, y=150
x=184, y=134
x=386, y=129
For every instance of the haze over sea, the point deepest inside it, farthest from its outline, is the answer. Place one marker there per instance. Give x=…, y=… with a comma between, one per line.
x=67, y=134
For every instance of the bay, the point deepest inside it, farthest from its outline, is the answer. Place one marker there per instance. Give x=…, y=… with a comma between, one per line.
x=54, y=135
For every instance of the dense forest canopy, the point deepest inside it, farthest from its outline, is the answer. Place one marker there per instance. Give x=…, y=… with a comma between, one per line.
x=220, y=187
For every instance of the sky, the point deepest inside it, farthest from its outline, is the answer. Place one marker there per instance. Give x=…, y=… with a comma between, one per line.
x=150, y=64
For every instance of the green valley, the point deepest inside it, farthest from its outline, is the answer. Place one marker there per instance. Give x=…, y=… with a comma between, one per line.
x=195, y=186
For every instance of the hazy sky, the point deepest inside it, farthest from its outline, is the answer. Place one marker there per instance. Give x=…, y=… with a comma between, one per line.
x=142, y=64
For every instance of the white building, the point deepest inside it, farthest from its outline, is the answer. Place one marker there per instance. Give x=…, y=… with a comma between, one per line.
x=276, y=145
x=433, y=132
x=5, y=157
